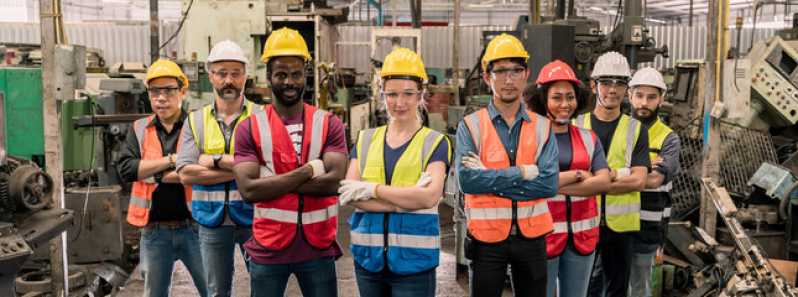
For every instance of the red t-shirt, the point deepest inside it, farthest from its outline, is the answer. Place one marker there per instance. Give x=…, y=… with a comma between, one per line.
x=247, y=151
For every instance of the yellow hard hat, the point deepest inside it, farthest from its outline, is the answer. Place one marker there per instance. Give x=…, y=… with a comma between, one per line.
x=403, y=62
x=165, y=68
x=285, y=42
x=503, y=46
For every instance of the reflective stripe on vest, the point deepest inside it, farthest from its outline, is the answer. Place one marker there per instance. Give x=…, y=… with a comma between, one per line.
x=276, y=221
x=580, y=212
x=208, y=206
x=622, y=211
x=140, y=204
x=490, y=216
x=413, y=237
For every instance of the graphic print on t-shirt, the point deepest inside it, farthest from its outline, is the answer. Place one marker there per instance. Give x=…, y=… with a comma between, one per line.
x=295, y=131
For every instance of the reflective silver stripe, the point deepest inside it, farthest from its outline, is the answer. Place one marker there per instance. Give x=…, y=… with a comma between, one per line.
x=316, y=134
x=651, y=216
x=198, y=121
x=363, y=150
x=427, y=148
x=140, y=202
x=574, y=199
x=320, y=215
x=558, y=198
x=533, y=210
x=590, y=146
x=235, y=196
x=208, y=196
x=663, y=188
x=630, y=141
x=585, y=225
x=666, y=213
x=560, y=227
x=139, y=126
x=266, y=148
x=621, y=209
x=541, y=134
x=284, y=216
x=580, y=121
x=489, y=213
x=396, y=240
x=474, y=128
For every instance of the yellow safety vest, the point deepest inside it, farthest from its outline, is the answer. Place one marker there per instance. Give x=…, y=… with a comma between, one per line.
x=621, y=212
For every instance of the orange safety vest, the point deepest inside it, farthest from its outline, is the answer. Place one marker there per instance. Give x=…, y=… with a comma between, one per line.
x=490, y=216
x=138, y=211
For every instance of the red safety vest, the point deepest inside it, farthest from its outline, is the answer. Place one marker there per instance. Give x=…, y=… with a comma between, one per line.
x=138, y=211
x=276, y=221
x=583, y=222
x=490, y=216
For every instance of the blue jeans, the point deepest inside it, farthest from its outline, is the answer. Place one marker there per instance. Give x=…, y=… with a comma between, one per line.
x=388, y=284
x=160, y=248
x=642, y=264
x=573, y=272
x=316, y=278
x=217, y=246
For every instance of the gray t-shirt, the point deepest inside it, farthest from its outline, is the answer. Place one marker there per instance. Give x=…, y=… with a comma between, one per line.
x=670, y=157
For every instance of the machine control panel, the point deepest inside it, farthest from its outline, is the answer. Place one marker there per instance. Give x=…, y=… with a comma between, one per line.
x=772, y=78
x=13, y=246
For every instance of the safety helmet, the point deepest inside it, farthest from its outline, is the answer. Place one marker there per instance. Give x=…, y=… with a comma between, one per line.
x=165, y=68
x=611, y=64
x=403, y=62
x=648, y=77
x=556, y=71
x=226, y=51
x=504, y=46
x=285, y=42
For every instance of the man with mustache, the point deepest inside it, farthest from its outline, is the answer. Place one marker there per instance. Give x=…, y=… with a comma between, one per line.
x=646, y=92
x=508, y=164
x=626, y=146
x=205, y=162
x=289, y=159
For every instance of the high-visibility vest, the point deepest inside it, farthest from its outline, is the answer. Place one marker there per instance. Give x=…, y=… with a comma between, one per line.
x=138, y=211
x=621, y=211
x=209, y=201
x=655, y=208
x=574, y=216
x=490, y=217
x=276, y=221
x=408, y=240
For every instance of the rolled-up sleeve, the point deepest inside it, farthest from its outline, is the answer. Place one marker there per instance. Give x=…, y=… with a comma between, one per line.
x=129, y=158
x=508, y=182
x=188, y=153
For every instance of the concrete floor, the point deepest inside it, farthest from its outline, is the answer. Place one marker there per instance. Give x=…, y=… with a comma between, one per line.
x=448, y=284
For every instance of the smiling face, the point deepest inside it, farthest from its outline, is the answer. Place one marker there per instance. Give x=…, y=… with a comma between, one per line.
x=507, y=79
x=228, y=79
x=402, y=99
x=610, y=92
x=561, y=102
x=166, y=97
x=287, y=78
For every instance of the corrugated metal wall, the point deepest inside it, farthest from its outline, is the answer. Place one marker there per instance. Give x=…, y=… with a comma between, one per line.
x=118, y=42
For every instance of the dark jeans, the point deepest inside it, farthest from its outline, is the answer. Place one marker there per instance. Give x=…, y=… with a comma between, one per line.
x=527, y=260
x=316, y=278
x=610, y=276
x=389, y=284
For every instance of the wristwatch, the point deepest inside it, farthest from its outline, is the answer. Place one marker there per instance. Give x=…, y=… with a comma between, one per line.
x=216, y=160
x=579, y=176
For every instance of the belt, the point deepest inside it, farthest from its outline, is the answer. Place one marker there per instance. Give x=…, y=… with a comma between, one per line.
x=171, y=224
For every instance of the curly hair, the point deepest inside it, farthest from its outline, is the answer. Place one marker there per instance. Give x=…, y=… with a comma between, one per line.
x=537, y=97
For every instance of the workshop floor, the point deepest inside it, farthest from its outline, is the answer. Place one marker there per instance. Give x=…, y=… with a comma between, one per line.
x=449, y=284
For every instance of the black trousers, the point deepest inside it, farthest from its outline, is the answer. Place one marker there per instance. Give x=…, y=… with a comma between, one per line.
x=527, y=260
x=613, y=263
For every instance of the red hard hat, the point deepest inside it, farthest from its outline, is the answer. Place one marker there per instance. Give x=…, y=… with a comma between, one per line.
x=556, y=71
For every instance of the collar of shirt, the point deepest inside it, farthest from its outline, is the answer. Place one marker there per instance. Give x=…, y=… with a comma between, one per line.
x=157, y=121
x=242, y=110
x=520, y=115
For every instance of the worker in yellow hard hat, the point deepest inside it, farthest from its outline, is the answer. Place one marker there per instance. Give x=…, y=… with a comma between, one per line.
x=395, y=178
x=158, y=202
x=507, y=164
x=289, y=158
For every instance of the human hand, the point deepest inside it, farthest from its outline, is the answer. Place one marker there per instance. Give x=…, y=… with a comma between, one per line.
x=472, y=161
x=354, y=190
x=424, y=180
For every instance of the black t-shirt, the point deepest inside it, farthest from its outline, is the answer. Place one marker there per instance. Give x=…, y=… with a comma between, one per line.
x=566, y=154
x=605, y=130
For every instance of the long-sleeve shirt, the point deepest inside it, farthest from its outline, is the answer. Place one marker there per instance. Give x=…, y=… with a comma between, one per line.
x=508, y=182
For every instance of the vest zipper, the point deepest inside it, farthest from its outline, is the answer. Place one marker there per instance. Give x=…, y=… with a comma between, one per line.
x=568, y=214
x=385, y=240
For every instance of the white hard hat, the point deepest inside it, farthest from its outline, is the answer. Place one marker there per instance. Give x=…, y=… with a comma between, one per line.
x=226, y=51
x=648, y=77
x=611, y=64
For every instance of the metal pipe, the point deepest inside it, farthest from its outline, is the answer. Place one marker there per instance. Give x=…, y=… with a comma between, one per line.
x=571, y=9
x=633, y=8
x=560, y=9
x=155, y=37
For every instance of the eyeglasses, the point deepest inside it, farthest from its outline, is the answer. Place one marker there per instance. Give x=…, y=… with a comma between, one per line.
x=167, y=91
x=612, y=82
x=512, y=73
x=404, y=94
x=223, y=74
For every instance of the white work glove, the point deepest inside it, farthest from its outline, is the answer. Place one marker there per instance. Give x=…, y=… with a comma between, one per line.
x=471, y=160
x=424, y=180
x=355, y=190
x=317, y=166
x=529, y=172
x=623, y=172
